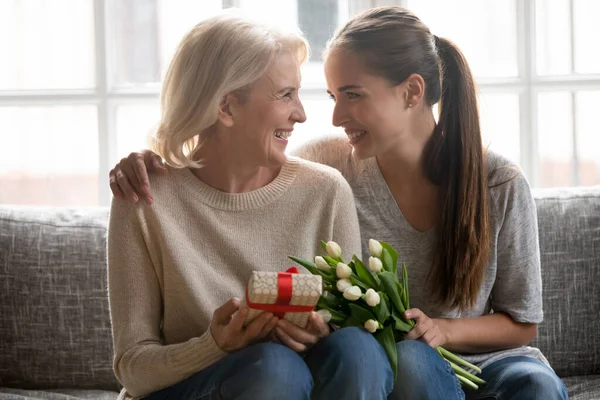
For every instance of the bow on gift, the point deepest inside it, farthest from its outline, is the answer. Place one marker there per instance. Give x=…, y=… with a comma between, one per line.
x=284, y=296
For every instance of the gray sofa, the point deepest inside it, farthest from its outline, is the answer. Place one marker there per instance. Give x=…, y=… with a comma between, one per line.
x=54, y=324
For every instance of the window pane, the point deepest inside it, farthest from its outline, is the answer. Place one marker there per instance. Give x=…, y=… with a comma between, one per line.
x=146, y=34
x=500, y=124
x=284, y=12
x=46, y=44
x=319, y=110
x=587, y=32
x=555, y=139
x=553, y=37
x=134, y=124
x=318, y=19
x=588, y=137
x=49, y=155
x=485, y=30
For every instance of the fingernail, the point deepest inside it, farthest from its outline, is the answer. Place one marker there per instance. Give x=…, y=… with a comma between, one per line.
x=149, y=200
x=134, y=198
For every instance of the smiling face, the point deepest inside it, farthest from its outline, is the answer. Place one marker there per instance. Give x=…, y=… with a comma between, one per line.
x=265, y=119
x=372, y=111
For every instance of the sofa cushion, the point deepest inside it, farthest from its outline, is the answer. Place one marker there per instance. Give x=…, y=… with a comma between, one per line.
x=569, y=227
x=54, y=318
x=20, y=394
x=583, y=387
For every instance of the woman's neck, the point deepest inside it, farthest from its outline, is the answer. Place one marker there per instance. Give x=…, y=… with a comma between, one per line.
x=403, y=162
x=231, y=173
x=403, y=169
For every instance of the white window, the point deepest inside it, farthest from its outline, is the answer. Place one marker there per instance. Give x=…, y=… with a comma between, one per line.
x=79, y=82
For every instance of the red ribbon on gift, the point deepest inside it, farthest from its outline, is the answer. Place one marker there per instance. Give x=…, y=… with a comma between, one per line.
x=284, y=296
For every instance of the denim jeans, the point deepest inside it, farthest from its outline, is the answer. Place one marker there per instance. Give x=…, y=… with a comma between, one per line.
x=347, y=364
x=519, y=378
x=422, y=374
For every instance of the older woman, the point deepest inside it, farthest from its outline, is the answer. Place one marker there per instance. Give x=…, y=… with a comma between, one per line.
x=232, y=203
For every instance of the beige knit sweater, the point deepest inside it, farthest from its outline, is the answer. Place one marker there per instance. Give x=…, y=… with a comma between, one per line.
x=171, y=264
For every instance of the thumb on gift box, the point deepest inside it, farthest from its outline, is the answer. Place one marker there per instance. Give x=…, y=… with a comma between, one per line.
x=223, y=314
x=325, y=314
x=317, y=324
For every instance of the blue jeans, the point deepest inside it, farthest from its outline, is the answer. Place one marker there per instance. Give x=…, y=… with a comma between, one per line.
x=347, y=364
x=422, y=374
x=519, y=378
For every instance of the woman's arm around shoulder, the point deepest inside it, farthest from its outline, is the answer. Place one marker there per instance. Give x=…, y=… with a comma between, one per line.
x=333, y=151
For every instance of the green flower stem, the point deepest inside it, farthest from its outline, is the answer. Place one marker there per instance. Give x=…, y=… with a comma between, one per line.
x=459, y=371
x=439, y=352
x=405, y=287
x=450, y=356
x=467, y=382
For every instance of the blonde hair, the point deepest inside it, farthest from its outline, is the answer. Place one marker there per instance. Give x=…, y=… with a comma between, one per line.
x=224, y=54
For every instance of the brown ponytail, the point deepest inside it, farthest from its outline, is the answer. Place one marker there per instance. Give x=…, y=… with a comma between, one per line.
x=454, y=159
x=396, y=44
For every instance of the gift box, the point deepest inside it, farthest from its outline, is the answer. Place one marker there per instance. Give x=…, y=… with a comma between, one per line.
x=288, y=295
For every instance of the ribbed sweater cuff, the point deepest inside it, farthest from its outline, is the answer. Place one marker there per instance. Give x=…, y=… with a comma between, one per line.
x=201, y=353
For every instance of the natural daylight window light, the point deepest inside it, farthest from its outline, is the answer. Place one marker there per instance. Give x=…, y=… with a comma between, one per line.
x=80, y=80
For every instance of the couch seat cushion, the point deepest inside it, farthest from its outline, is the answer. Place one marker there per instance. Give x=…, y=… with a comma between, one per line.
x=67, y=394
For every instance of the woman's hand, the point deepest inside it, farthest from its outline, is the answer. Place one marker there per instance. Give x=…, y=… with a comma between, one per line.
x=227, y=326
x=299, y=339
x=426, y=330
x=129, y=178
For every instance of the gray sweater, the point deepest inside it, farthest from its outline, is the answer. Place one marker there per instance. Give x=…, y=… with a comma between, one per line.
x=512, y=282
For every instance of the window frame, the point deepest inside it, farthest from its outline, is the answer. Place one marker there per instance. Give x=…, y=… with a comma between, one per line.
x=107, y=97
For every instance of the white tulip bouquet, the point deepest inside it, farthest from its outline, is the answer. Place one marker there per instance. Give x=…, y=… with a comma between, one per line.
x=374, y=298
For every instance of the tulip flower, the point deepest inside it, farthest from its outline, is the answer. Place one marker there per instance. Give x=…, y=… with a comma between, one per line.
x=343, y=271
x=343, y=284
x=321, y=263
x=325, y=314
x=384, y=302
x=353, y=293
x=375, y=264
x=371, y=325
x=333, y=249
x=375, y=248
x=372, y=297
